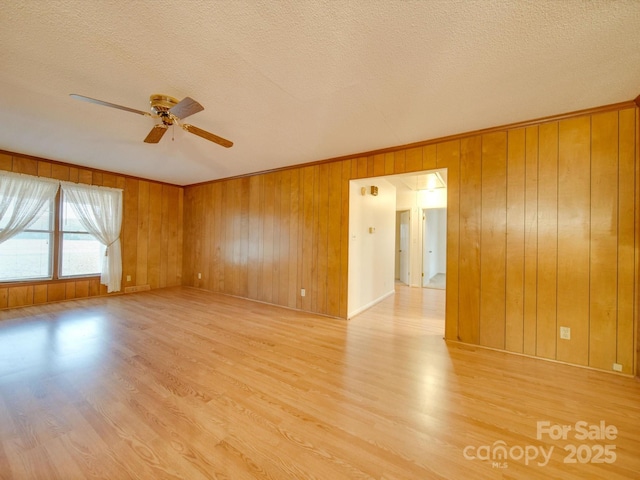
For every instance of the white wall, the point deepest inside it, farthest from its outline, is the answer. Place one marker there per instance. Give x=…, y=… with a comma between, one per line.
x=371, y=255
x=397, y=247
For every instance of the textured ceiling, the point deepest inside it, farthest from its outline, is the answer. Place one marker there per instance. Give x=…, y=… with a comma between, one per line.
x=296, y=81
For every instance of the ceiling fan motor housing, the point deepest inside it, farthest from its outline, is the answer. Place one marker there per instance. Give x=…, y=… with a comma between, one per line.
x=160, y=105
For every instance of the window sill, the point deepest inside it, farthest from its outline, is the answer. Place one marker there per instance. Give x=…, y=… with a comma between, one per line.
x=26, y=283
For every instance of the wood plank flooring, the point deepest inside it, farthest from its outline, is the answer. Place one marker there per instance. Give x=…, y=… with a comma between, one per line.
x=182, y=383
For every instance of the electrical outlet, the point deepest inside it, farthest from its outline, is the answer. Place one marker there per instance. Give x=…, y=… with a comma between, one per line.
x=565, y=333
x=128, y=278
x=199, y=275
x=617, y=367
x=303, y=292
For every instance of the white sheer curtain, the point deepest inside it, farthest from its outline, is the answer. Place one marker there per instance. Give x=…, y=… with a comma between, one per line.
x=22, y=197
x=99, y=210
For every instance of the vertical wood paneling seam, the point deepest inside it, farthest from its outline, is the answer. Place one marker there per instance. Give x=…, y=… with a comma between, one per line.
x=635, y=368
x=315, y=227
x=555, y=356
x=617, y=237
x=524, y=234
x=538, y=240
x=480, y=322
x=340, y=240
x=524, y=228
x=537, y=229
x=149, y=233
x=537, y=225
x=590, y=229
x=459, y=234
x=300, y=271
x=636, y=234
x=326, y=291
x=319, y=302
x=526, y=132
x=636, y=243
x=506, y=243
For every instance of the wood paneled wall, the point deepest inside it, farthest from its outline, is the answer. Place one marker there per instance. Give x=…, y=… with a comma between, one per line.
x=151, y=233
x=266, y=237
x=542, y=233
x=547, y=235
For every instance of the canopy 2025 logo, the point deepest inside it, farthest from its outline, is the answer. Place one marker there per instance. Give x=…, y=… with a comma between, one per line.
x=499, y=453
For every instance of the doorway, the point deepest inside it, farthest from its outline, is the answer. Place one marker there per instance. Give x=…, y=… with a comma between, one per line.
x=421, y=228
x=386, y=234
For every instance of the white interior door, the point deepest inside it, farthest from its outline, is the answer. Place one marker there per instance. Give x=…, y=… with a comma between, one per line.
x=434, y=247
x=404, y=247
x=426, y=252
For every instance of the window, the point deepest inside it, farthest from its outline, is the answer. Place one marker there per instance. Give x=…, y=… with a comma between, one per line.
x=99, y=210
x=28, y=255
x=85, y=241
x=80, y=252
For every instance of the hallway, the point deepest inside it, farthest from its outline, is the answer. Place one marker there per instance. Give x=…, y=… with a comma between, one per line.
x=411, y=310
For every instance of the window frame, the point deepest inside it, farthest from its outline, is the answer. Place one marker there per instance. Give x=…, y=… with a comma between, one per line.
x=60, y=243
x=55, y=252
x=52, y=240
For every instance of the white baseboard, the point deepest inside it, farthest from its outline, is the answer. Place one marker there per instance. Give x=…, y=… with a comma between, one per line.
x=370, y=304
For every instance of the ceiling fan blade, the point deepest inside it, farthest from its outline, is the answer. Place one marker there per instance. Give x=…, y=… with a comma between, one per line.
x=187, y=106
x=156, y=133
x=208, y=136
x=108, y=104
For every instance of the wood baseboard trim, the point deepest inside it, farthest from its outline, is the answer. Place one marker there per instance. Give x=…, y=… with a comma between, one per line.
x=263, y=302
x=471, y=346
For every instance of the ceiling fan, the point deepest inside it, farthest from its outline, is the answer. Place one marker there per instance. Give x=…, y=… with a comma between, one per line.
x=170, y=111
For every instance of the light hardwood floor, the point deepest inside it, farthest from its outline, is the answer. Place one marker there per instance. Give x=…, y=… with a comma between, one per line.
x=182, y=383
